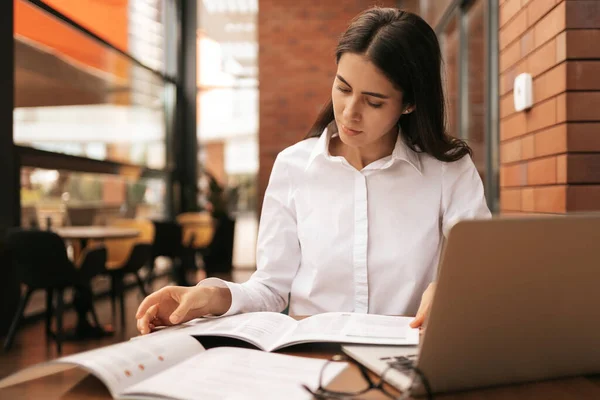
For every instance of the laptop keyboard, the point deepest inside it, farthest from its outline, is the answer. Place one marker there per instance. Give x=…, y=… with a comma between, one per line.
x=400, y=363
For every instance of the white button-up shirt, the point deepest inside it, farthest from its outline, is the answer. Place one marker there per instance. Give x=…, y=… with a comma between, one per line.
x=332, y=238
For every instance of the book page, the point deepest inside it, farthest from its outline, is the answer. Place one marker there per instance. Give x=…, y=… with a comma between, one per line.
x=124, y=364
x=262, y=329
x=353, y=328
x=118, y=365
x=234, y=373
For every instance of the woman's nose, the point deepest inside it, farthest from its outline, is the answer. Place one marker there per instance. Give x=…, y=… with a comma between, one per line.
x=351, y=111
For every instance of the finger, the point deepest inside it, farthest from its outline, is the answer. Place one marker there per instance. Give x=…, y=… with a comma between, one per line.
x=148, y=317
x=149, y=301
x=181, y=311
x=418, y=321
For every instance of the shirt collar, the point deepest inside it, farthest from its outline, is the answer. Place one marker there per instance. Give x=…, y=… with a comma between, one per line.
x=401, y=151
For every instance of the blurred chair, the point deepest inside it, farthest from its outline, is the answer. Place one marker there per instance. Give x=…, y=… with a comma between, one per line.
x=167, y=243
x=198, y=231
x=128, y=257
x=41, y=262
x=218, y=259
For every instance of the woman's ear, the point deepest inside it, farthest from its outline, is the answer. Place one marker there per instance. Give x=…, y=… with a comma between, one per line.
x=408, y=109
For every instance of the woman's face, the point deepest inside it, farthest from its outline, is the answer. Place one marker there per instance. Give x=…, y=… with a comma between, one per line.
x=366, y=104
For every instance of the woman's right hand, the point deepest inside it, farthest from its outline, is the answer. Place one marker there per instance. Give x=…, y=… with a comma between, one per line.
x=173, y=305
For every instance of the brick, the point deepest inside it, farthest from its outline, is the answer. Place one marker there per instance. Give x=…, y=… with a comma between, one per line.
x=550, y=83
x=583, y=198
x=513, y=126
x=510, y=151
x=577, y=43
x=583, y=75
x=510, y=199
x=527, y=147
x=561, y=46
x=507, y=105
x=513, y=175
x=541, y=115
x=583, y=168
x=543, y=59
x=561, y=108
x=550, y=25
x=542, y=171
x=513, y=29
x=583, y=106
x=582, y=14
x=508, y=10
x=507, y=79
x=526, y=43
x=550, y=199
x=583, y=137
x=561, y=169
x=510, y=56
x=551, y=141
x=537, y=9
x=527, y=200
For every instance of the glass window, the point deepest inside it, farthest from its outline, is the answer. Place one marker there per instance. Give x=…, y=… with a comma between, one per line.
x=76, y=96
x=70, y=198
x=228, y=99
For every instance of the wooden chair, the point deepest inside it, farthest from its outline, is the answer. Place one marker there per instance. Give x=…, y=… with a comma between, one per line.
x=197, y=234
x=128, y=257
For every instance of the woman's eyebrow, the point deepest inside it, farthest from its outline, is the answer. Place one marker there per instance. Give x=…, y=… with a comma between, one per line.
x=379, y=95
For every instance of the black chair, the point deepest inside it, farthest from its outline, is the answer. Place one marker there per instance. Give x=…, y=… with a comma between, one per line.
x=219, y=257
x=167, y=243
x=41, y=262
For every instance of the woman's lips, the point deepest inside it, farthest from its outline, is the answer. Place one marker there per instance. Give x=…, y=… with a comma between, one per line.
x=349, y=131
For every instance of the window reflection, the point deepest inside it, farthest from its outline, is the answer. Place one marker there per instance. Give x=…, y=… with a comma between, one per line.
x=57, y=198
x=76, y=96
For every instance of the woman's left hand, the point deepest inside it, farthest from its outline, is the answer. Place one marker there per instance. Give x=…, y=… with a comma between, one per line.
x=424, y=307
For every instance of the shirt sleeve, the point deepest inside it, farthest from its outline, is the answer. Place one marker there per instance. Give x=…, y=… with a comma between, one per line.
x=462, y=193
x=278, y=251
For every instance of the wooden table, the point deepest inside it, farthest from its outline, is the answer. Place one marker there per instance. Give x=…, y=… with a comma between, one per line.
x=85, y=233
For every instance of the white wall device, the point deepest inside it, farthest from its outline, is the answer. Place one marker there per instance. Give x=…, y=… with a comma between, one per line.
x=523, y=92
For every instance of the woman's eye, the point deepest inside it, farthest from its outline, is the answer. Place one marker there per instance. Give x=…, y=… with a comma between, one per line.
x=343, y=90
x=374, y=105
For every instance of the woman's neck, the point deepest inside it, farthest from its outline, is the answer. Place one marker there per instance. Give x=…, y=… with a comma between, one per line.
x=360, y=157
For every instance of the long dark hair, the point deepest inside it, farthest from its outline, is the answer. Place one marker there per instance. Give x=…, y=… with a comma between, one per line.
x=405, y=48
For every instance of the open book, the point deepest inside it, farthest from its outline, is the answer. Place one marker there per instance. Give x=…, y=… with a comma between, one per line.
x=271, y=331
x=178, y=367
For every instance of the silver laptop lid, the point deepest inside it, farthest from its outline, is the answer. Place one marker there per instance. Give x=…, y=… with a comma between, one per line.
x=517, y=300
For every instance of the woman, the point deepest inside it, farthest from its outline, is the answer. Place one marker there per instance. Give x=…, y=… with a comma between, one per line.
x=354, y=216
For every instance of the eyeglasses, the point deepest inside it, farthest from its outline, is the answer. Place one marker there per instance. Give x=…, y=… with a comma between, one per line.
x=325, y=393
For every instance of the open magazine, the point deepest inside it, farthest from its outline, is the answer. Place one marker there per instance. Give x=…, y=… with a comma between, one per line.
x=271, y=331
x=178, y=367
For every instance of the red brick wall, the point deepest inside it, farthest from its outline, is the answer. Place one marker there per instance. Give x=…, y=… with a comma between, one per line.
x=297, y=41
x=550, y=155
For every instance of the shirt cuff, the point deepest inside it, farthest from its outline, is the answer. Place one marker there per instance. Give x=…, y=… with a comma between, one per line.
x=234, y=288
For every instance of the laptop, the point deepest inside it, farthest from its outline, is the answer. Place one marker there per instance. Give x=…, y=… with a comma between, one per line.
x=517, y=300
